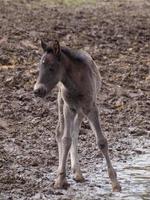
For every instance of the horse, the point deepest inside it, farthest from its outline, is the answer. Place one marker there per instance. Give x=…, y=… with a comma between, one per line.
x=78, y=80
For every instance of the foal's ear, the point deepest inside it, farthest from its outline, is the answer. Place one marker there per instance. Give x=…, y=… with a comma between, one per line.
x=56, y=48
x=43, y=45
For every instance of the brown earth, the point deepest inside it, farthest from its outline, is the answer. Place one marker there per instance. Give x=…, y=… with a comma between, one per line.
x=117, y=35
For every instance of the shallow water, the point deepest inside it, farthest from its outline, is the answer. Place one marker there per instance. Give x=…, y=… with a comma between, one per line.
x=135, y=179
x=133, y=175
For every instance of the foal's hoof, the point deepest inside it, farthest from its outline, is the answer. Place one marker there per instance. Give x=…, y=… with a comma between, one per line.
x=116, y=187
x=78, y=177
x=63, y=184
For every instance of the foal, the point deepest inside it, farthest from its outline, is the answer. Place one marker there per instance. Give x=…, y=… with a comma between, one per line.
x=78, y=79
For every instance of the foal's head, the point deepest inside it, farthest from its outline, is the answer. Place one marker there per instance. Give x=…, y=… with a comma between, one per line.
x=50, y=70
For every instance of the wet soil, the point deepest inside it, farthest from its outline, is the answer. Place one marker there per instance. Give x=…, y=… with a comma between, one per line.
x=117, y=35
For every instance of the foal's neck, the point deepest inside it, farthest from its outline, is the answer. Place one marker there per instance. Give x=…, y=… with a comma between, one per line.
x=67, y=80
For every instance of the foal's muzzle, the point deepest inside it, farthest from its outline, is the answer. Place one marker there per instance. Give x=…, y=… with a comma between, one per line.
x=40, y=90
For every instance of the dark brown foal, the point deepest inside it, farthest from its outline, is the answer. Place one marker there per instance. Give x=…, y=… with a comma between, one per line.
x=79, y=81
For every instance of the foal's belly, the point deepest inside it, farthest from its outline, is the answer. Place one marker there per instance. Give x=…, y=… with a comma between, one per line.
x=78, y=102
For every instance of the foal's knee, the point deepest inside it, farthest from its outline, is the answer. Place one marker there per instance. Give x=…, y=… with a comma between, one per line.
x=66, y=142
x=102, y=144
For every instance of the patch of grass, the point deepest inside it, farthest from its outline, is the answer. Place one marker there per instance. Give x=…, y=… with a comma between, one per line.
x=68, y=2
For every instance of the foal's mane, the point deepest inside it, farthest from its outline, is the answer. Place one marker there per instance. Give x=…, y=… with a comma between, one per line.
x=74, y=55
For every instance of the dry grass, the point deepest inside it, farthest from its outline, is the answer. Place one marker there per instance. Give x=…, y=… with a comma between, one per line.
x=68, y=2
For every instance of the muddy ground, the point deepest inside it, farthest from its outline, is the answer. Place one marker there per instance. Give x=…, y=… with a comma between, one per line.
x=117, y=35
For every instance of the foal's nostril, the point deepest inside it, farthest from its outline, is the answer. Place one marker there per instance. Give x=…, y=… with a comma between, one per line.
x=40, y=92
x=36, y=92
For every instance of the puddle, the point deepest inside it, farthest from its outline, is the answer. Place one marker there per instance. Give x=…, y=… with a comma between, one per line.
x=134, y=177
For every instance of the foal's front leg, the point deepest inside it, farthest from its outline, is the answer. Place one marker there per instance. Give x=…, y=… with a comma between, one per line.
x=60, y=125
x=69, y=116
x=74, y=151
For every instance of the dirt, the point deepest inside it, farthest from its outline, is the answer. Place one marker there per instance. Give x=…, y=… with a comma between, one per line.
x=117, y=35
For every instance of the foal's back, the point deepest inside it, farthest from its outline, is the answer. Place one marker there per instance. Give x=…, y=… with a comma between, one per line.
x=83, y=76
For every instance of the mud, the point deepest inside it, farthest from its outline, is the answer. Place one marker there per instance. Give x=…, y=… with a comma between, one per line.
x=117, y=35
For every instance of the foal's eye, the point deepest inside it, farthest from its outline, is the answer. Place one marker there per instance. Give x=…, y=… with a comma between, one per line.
x=51, y=69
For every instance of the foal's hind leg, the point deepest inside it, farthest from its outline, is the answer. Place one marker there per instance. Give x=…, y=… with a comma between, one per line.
x=74, y=151
x=103, y=146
